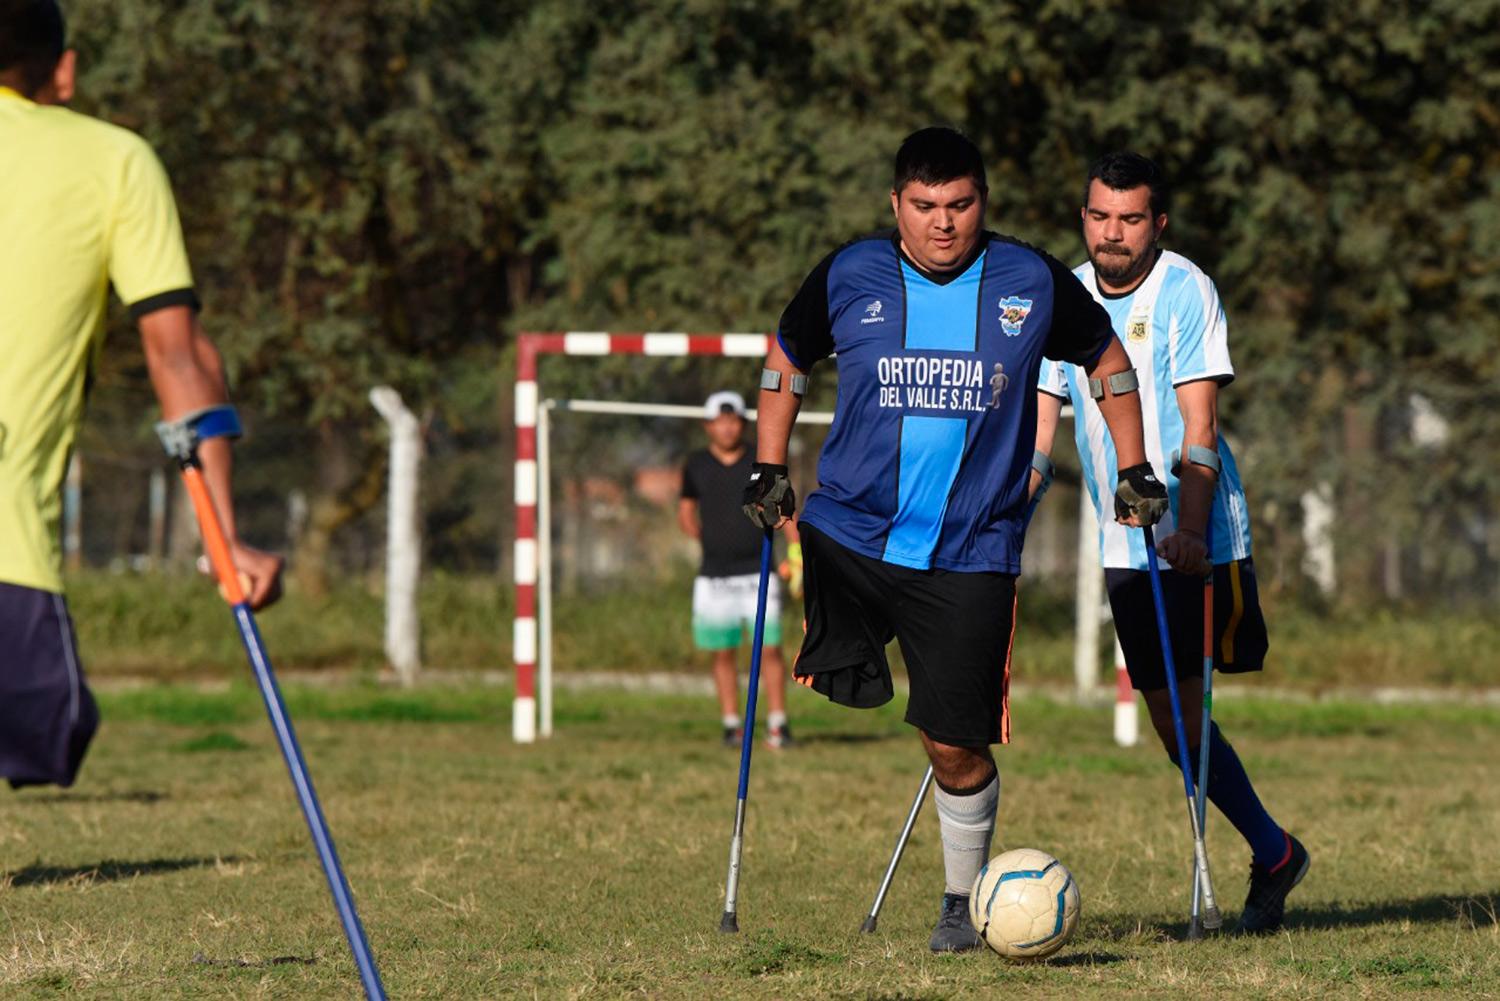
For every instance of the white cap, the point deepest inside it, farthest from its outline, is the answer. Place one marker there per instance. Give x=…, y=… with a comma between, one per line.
x=722, y=401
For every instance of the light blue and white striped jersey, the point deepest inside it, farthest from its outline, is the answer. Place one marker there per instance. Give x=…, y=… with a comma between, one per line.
x=1172, y=326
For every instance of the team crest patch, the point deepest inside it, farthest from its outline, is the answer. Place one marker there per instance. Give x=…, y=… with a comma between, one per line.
x=1137, y=329
x=1013, y=313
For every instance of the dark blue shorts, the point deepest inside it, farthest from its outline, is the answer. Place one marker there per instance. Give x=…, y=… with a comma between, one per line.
x=1240, y=640
x=47, y=714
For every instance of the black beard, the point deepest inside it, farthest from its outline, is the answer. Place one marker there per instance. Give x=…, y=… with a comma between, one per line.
x=1117, y=266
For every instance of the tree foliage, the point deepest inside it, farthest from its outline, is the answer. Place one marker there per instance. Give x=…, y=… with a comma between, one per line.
x=385, y=190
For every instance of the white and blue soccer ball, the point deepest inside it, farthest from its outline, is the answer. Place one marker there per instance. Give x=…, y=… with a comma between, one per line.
x=1024, y=904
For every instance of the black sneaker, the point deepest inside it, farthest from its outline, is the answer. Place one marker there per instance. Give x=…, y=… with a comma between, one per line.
x=954, y=931
x=779, y=737
x=733, y=736
x=1266, y=902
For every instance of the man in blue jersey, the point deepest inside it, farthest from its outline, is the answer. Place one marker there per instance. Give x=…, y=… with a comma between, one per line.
x=915, y=531
x=1168, y=314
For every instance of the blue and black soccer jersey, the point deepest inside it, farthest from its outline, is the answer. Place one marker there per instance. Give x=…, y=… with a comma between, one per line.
x=927, y=462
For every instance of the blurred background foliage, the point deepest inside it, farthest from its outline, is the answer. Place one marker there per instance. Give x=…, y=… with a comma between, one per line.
x=388, y=190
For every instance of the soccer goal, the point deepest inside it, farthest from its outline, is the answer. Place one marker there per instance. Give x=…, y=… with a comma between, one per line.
x=532, y=645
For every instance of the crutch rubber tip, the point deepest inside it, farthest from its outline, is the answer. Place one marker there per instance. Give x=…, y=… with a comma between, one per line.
x=1194, y=932
x=868, y=928
x=729, y=924
x=1213, y=921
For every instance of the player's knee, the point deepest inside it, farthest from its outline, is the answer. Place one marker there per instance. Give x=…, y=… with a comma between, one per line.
x=960, y=769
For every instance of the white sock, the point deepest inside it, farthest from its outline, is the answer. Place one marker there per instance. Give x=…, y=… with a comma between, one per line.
x=775, y=721
x=731, y=722
x=967, y=824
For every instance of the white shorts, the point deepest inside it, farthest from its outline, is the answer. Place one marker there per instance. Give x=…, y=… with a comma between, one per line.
x=724, y=610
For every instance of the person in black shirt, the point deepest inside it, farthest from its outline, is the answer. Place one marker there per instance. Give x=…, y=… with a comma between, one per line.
x=725, y=591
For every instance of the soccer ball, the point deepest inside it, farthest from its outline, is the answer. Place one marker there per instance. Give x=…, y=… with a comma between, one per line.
x=1024, y=904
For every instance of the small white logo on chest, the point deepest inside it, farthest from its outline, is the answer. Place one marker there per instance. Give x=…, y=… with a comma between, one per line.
x=1013, y=313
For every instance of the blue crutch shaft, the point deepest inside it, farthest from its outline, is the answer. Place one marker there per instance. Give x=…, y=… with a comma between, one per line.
x=181, y=439
x=1159, y=604
x=729, y=922
x=307, y=798
x=757, y=644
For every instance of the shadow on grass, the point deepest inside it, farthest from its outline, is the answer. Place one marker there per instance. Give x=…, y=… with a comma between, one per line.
x=1474, y=910
x=146, y=796
x=107, y=871
x=1084, y=959
x=203, y=960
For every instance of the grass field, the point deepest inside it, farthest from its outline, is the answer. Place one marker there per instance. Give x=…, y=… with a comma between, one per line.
x=131, y=625
x=592, y=867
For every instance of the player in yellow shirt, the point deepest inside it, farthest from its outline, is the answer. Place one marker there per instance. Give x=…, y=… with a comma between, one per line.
x=83, y=205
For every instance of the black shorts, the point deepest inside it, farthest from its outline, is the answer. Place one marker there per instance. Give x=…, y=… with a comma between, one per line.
x=47, y=714
x=1240, y=640
x=955, y=631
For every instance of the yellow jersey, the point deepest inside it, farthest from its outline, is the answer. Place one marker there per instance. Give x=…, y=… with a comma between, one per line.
x=83, y=204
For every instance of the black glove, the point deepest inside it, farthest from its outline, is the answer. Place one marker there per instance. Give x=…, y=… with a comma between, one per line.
x=1140, y=493
x=768, y=495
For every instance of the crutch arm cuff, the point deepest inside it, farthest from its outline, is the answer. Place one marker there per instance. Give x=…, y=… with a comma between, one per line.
x=1042, y=463
x=181, y=437
x=1119, y=384
x=1198, y=455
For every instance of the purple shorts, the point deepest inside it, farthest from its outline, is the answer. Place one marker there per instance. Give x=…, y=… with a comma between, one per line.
x=47, y=714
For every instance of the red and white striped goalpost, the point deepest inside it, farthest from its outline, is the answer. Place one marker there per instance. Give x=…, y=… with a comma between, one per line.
x=530, y=347
x=524, y=640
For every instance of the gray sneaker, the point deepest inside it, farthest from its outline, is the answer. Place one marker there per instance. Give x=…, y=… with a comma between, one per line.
x=954, y=931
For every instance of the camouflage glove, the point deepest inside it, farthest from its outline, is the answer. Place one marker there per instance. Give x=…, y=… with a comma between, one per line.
x=1140, y=494
x=769, y=499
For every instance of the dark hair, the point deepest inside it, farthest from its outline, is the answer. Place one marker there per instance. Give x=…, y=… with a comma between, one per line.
x=1125, y=170
x=32, y=40
x=937, y=155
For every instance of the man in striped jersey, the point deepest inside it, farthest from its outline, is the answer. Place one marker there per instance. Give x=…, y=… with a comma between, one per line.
x=1167, y=313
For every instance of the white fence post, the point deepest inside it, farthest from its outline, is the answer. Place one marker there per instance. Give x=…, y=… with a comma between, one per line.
x=403, y=545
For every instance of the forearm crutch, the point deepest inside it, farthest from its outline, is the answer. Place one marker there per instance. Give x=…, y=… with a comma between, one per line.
x=181, y=439
x=890, y=871
x=729, y=921
x=1202, y=880
x=1199, y=921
